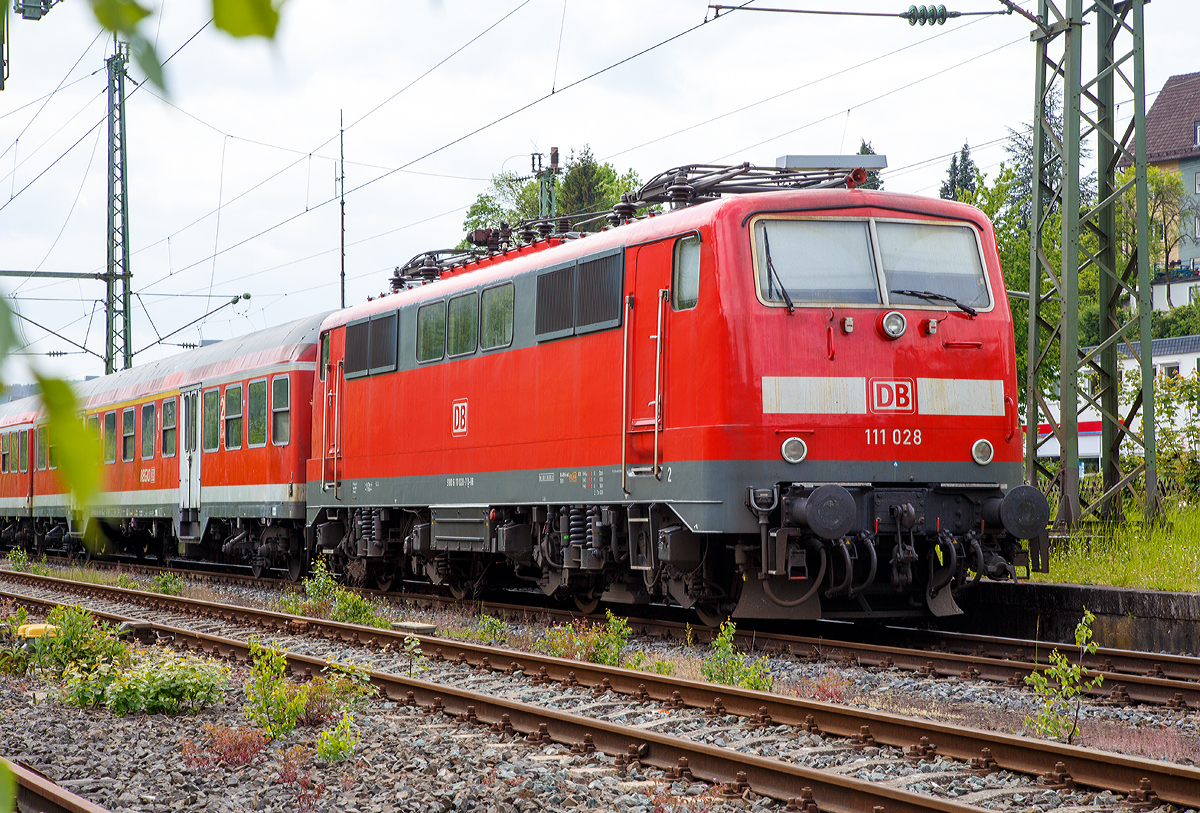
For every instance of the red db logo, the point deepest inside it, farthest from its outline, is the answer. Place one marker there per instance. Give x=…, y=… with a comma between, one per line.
x=893, y=395
x=458, y=417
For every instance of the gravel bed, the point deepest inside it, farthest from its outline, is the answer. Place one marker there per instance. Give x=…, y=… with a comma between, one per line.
x=941, y=777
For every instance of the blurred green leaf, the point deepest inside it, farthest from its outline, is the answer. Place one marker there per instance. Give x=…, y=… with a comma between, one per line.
x=78, y=449
x=8, y=789
x=147, y=59
x=8, y=333
x=121, y=16
x=246, y=18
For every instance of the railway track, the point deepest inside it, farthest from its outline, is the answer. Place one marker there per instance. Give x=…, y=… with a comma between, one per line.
x=885, y=738
x=1129, y=676
x=37, y=794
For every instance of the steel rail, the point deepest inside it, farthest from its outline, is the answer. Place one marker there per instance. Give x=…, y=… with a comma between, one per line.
x=1129, y=677
x=1115, y=772
x=832, y=792
x=37, y=793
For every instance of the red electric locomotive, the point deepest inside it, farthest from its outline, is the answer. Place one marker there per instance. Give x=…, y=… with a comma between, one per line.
x=795, y=404
x=780, y=399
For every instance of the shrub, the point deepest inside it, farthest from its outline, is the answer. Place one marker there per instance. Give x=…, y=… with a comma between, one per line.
x=234, y=747
x=159, y=682
x=491, y=630
x=293, y=775
x=18, y=560
x=724, y=664
x=338, y=742
x=1059, y=687
x=275, y=705
x=167, y=583
x=324, y=598
x=80, y=641
x=339, y=688
x=581, y=640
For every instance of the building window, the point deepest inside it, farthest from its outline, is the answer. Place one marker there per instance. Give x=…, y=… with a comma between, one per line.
x=233, y=416
x=281, y=404
x=168, y=428
x=1198, y=134
x=110, y=437
x=212, y=420
x=256, y=414
x=128, y=427
x=148, y=431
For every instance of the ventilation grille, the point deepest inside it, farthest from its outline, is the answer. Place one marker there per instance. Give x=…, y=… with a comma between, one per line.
x=357, y=342
x=555, y=297
x=598, y=294
x=383, y=343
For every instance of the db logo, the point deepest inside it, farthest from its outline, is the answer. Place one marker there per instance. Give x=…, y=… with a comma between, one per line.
x=893, y=395
x=458, y=417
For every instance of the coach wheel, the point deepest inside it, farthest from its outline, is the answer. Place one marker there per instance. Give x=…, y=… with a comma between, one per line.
x=295, y=566
x=711, y=615
x=587, y=605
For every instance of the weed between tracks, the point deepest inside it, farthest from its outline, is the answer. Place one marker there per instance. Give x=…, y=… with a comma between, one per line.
x=323, y=597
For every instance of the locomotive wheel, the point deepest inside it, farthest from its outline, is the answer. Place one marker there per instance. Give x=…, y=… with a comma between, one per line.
x=384, y=581
x=587, y=606
x=711, y=615
x=295, y=566
x=458, y=590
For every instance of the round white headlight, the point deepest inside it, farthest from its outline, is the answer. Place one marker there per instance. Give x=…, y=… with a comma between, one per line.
x=894, y=324
x=794, y=450
x=982, y=452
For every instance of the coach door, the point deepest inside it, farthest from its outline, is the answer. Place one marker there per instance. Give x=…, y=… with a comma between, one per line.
x=646, y=332
x=189, y=458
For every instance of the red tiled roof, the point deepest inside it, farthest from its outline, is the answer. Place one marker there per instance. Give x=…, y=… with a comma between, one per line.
x=1171, y=122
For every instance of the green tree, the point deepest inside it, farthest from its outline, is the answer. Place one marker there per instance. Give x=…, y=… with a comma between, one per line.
x=1021, y=157
x=1170, y=211
x=960, y=177
x=873, y=180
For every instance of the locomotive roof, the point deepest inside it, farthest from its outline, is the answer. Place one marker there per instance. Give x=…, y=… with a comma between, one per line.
x=735, y=208
x=281, y=344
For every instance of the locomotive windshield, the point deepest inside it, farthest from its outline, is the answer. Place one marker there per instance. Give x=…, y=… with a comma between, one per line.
x=834, y=262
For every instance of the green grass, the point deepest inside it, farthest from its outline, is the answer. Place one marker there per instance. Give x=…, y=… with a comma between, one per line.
x=1161, y=556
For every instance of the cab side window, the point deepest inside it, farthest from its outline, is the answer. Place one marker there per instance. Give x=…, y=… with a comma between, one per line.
x=685, y=276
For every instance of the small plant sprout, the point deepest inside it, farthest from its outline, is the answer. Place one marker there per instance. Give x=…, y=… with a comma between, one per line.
x=412, y=650
x=1060, y=688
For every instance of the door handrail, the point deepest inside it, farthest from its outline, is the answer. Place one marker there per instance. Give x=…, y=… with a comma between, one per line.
x=660, y=341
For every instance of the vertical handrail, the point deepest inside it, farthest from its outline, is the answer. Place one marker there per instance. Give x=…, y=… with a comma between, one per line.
x=325, y=374
x=659, y=339
x=625, y=397
x=337, y=426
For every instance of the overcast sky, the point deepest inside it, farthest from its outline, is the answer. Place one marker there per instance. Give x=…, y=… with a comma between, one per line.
x=237, y=160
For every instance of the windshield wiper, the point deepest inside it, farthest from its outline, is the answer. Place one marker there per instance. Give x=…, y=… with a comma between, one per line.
x=775, y=274
x=938, y=297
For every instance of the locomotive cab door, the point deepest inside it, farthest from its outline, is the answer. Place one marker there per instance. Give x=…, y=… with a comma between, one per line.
x=333, y=379
x=189, y=464
x=646, y=333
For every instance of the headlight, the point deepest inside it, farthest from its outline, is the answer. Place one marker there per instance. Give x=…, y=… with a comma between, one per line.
x=982, y=452
x=893, y=324
x=794, y=450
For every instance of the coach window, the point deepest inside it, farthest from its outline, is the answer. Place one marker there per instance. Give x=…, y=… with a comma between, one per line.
x=685, y=278
x=24, y=450
x=51, y=455
x=463, y=324
x=41, y=448
x=168, y=428
x=212, y=420
x=496, y=329
x=256, y=414
x=128, y=427
x=431, y=332
x=149, y=430
x=4, y=453
x=281, y=405
x=233, y=416
x=110, y=437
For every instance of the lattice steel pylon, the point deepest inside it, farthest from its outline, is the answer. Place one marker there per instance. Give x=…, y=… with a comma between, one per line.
x=1089, y=112
x=117, y=313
